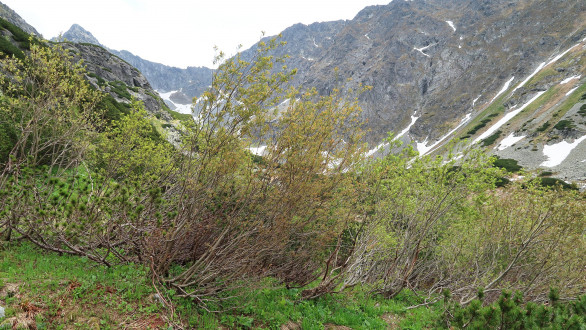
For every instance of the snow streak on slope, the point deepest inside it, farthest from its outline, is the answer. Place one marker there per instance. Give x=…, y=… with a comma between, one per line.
x=505, y=119
x=565, y=81
x=504, y=89
x=403, y=132
x=451, y=24
x=556, y=153
x=555, y=59
x=509, y=141
x=375, y=149
x=530, y=76
x=475, y=100
x=572, y=90
x=422, y=49
x=423, y=149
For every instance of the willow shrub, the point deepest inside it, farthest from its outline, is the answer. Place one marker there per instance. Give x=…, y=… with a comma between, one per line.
x=48, y=115
x=523, y=238
x=243, y=216
x=408, y=203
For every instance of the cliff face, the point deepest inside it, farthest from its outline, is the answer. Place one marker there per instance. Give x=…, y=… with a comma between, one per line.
x=121, y=80
x=432, y=59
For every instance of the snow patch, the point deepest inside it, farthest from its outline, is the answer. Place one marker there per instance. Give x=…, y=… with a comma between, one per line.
x=422, y=49
x=565, y=81
x=504, y=89
x=505, y=119
x=451, y=24
x=530, y=76
x=509, y=141
x=423, y=149
x=557, y=153
x=314, y=43
x=181, y=108
x=461, y=38
x=259, y=151
x=403, y=132
x=367, y=37
x=571, y=91
x=375, y=149
x=475, y=100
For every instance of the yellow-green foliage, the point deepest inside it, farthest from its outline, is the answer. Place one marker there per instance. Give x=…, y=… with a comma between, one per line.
x=49, y=107
x=409, y=204
x=131, y=149
x=518, y=238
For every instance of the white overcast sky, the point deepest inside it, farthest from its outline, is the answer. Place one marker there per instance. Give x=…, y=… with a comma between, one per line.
x=180, y=32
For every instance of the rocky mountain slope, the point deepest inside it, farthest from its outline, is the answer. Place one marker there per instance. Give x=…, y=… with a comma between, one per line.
x=188, y=83
x=428, y=59
x=440, y=71
x=121, y=80
x=439, y=68
x=12, y=17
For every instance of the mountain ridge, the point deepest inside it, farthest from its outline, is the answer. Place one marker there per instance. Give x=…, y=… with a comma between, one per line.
x=437, y=68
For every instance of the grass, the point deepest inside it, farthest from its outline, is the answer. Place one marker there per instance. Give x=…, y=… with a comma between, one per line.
x=47, y=291
x=275, y=305
x=572, y=99
x=480, y=125
x=179, y=116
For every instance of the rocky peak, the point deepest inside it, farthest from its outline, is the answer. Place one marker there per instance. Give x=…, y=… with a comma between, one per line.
x=78, y=34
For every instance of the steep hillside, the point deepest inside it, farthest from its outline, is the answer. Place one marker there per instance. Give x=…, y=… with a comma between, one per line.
x=432, y=59
x=538, y=119
x=123, y=82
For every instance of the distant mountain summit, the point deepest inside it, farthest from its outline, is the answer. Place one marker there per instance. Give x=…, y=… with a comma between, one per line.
x=78, y=34
x=12, y=17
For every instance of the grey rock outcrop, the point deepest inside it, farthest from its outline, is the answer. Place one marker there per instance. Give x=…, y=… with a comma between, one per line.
x=111, y=68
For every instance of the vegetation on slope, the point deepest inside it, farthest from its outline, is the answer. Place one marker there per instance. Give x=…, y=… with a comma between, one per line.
x=311, y=224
